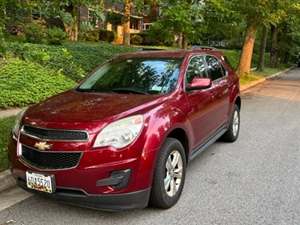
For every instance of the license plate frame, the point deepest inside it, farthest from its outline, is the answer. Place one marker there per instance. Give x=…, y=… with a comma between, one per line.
x=40, y=182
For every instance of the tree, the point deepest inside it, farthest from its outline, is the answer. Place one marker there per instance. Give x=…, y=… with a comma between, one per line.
x=182, y=18
x=126, y=21
x=262, y=49
x=129, y=7
x=254, y=13
x=68, y=11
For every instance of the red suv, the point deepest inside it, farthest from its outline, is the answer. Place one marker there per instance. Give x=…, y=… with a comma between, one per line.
x=124, y=137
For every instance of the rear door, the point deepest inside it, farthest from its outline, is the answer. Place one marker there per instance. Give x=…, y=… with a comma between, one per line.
x=218, y=74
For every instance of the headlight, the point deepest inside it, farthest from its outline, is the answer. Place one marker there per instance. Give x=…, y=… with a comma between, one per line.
x=121, y=133
x=17, y=125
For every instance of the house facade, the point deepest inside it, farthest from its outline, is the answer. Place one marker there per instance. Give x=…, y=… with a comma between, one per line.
x=139, y=21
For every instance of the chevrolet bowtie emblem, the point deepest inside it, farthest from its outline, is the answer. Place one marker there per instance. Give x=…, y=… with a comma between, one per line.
x=42, y=146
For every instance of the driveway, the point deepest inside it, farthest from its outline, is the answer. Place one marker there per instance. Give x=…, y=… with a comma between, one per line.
x=253, y=181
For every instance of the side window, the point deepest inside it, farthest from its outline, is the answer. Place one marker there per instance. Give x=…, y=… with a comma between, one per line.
x=196, y=68
x=214, y=69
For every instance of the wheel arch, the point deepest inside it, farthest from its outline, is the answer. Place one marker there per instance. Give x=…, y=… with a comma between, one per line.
x=238, y=102
x=181, y=135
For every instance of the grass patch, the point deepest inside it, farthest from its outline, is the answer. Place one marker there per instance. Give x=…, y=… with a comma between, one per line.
x=5, y=130
x=256, y=75
x=248, y=78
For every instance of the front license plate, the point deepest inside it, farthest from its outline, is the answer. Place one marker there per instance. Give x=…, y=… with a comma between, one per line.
x=40, y=182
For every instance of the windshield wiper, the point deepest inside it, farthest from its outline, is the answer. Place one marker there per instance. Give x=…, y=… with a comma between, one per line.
x=129, y=90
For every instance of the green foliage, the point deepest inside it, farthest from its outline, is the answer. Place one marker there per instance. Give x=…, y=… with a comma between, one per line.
x=36, y=33
x=52, y=57
x=2, y=42
x=136, y=39
x=90, y=35
x=114, y=18
x=23, y=83
x=5, y=131
x=158, y=35
x=74, y=60
x=181, y=18
x=56, y=36
x=90, y=55
x=106, y=35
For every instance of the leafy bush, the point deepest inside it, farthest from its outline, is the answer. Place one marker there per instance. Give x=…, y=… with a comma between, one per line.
x=90, y=35
x=158, y=35
x=36, y=33
x=56, y=36
x=52, y=57
x=23, y=83
x=2, y=43
x=5, y=130
x=106, y=35
x=136, y=39
x=74, y=60
x=90, y=55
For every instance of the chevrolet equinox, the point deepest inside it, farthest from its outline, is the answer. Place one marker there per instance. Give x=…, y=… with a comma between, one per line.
x=123, y=138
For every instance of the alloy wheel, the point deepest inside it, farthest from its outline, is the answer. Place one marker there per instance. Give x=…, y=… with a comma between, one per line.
x=174, y=172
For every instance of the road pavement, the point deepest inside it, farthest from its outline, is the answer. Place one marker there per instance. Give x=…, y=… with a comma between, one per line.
x=253, y=181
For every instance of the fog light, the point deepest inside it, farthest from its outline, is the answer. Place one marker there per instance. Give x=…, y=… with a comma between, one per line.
x=118, y=179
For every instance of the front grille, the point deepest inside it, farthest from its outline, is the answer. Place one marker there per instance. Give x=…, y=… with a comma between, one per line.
x=58, y=135
x=50, y=160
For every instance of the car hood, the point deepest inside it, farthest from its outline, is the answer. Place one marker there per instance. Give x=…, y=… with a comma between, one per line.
x=80, y=107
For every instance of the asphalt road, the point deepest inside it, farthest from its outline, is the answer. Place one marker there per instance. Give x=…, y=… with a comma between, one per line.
x=253, y=181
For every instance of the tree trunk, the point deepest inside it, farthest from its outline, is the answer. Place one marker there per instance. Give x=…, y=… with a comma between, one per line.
x=247, y=52
x=180, y=40
x=126, y=23
x=274, y=47
x=263, y=45
x=184, y=42
x=76, y=23
x=154, y=11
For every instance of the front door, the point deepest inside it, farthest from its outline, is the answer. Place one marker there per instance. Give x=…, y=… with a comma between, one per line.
x=200, y=101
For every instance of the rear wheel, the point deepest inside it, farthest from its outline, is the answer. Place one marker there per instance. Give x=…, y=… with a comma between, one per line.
x=233, y=131
x=169, y=175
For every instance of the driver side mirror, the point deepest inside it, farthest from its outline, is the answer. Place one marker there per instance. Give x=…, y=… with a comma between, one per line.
x=199, y=84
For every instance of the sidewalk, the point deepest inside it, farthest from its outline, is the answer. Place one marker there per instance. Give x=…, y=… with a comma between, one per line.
x=9, y=112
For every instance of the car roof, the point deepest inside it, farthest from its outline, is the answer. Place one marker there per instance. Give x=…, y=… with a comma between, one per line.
x=170, y=53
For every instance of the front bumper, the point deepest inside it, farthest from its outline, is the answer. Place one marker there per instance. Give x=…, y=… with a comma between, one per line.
x=112, y=202
x=94, y=182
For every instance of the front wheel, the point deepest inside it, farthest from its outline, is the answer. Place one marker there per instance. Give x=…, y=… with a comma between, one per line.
x=169, y=175
x=233, y=131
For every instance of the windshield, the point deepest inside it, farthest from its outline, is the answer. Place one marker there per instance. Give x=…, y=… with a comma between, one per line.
x=135, y=75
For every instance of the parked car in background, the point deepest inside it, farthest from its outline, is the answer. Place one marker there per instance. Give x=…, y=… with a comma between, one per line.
x=124, y=137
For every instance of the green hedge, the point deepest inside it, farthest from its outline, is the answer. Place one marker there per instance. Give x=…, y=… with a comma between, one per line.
x=90, y=55
x=23, y=83
x=5, y=129
x=74, y=60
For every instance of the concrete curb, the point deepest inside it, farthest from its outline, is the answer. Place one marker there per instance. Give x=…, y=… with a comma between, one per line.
x=243, y=88
x=281, y=72
x=6, y=180
x=252, y=84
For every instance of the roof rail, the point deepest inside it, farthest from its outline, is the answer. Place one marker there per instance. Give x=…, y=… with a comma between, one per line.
x=152, y=49
x=195, y=47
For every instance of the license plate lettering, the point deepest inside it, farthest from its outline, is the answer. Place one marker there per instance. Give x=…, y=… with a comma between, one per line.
x=39, y=182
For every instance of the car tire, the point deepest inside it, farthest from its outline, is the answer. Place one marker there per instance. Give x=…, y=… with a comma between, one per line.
x=168, y=172
x=233, y=131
